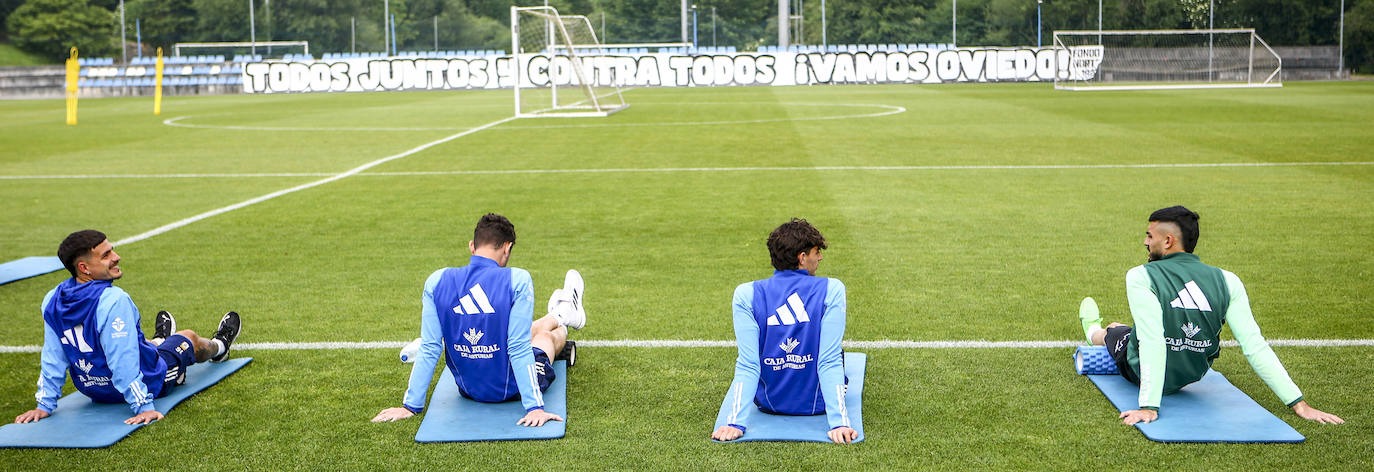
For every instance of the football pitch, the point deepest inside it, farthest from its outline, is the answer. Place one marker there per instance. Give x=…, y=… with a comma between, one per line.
x=953, y=213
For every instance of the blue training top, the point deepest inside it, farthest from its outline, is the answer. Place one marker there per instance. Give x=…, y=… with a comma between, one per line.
x=92, y=330
x=788, y=330
x=479, y=316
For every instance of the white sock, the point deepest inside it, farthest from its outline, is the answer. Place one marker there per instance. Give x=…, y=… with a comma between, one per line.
x=1092, y=332
x=219, y=347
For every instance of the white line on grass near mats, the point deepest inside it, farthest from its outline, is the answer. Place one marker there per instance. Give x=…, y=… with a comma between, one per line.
x=708, y=169
x=354, y=171
x=699, y=343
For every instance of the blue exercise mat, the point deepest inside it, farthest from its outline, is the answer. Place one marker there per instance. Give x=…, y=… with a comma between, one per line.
x=452, y=418
x=77, y=422
x=21, y=269
x=765, y=427
x=1209, y=410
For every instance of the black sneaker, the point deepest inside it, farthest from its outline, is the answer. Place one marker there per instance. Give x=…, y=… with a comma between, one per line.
x=228, y=331
x=569, y=353
x=164, y=325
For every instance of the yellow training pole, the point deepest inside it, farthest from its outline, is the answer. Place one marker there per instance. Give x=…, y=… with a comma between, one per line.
x=73, y=75
x=157, y=85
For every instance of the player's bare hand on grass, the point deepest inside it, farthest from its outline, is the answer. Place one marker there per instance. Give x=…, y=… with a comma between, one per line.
x=1138, y=416
x=1312, y=414
x=392, y=414
x=537, y=418
x=31, y=416
x=843, y=435
x=727, y=433
x=144, y=418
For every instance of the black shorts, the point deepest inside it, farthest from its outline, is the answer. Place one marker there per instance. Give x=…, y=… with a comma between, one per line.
x=1117, y=339
x=177, y=351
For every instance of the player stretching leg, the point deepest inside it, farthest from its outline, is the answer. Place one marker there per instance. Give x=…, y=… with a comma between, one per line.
x=478, y=316
x=1179, y=305
x=91, y=328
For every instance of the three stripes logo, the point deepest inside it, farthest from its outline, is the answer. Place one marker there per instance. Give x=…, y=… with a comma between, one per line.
x=474, y=303
x=797, y=313
x=1191, y=298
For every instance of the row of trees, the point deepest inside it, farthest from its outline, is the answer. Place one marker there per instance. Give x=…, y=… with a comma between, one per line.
x=49, y=27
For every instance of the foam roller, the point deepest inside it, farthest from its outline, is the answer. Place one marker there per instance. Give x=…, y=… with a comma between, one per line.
x=1094, y=360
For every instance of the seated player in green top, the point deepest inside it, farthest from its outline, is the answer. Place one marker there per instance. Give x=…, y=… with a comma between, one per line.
x=1179, y=305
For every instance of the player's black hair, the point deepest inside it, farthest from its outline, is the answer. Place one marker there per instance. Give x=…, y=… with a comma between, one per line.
x=493, y=230
x=792, y=238
x=76, y=245
x=1185, y=219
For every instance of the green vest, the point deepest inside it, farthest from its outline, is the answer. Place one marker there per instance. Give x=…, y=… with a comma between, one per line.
x=1194, y=299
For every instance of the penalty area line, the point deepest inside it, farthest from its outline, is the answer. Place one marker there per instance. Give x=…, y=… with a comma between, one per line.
x=703, y=343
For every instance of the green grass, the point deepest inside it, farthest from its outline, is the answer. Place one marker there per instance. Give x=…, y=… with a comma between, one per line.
x=12, y=56
x=956, y=253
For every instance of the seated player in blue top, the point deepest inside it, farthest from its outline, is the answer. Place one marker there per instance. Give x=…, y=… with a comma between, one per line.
x=91, y=328
x=788, y=328
x=479, y=317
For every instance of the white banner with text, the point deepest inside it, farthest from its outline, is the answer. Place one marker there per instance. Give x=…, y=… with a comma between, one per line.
x=670, y=70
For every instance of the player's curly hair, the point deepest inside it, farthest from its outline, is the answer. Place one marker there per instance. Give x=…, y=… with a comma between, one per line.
x=493, y=230
x=76, y=245
x=792, y=238
x=1185, y=219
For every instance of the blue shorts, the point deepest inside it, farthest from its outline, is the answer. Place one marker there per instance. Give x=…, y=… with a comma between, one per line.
x=543, y=369
x=179, y=354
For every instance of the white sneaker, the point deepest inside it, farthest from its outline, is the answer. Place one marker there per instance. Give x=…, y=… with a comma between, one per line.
x=566, y=303
x=554, y=299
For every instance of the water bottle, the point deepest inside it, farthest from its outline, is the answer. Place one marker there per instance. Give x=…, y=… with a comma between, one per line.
x=411, y=351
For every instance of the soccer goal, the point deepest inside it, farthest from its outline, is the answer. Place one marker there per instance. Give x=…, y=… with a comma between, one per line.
x=1155, y=59
x=553, y=66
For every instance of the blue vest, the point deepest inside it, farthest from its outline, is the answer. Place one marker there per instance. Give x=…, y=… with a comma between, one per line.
x=71, y=314
x=788, y=309
x=473, y=304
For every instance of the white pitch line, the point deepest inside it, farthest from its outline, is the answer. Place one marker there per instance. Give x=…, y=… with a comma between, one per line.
x=354, y=171
x=889, y=110
x=176, y=122
x=868, y=168
x=711, y=169
x=702, y=343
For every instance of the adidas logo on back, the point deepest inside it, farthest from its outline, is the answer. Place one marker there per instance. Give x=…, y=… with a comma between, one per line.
x=474, y=303
x=797, y=313
x=1191, y=298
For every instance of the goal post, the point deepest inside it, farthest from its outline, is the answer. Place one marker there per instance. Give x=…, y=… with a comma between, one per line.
x=1158, y=59
x=553, y=66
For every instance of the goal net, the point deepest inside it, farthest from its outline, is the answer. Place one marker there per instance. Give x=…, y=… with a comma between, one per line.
x=1151, y=59
x=554, y=69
